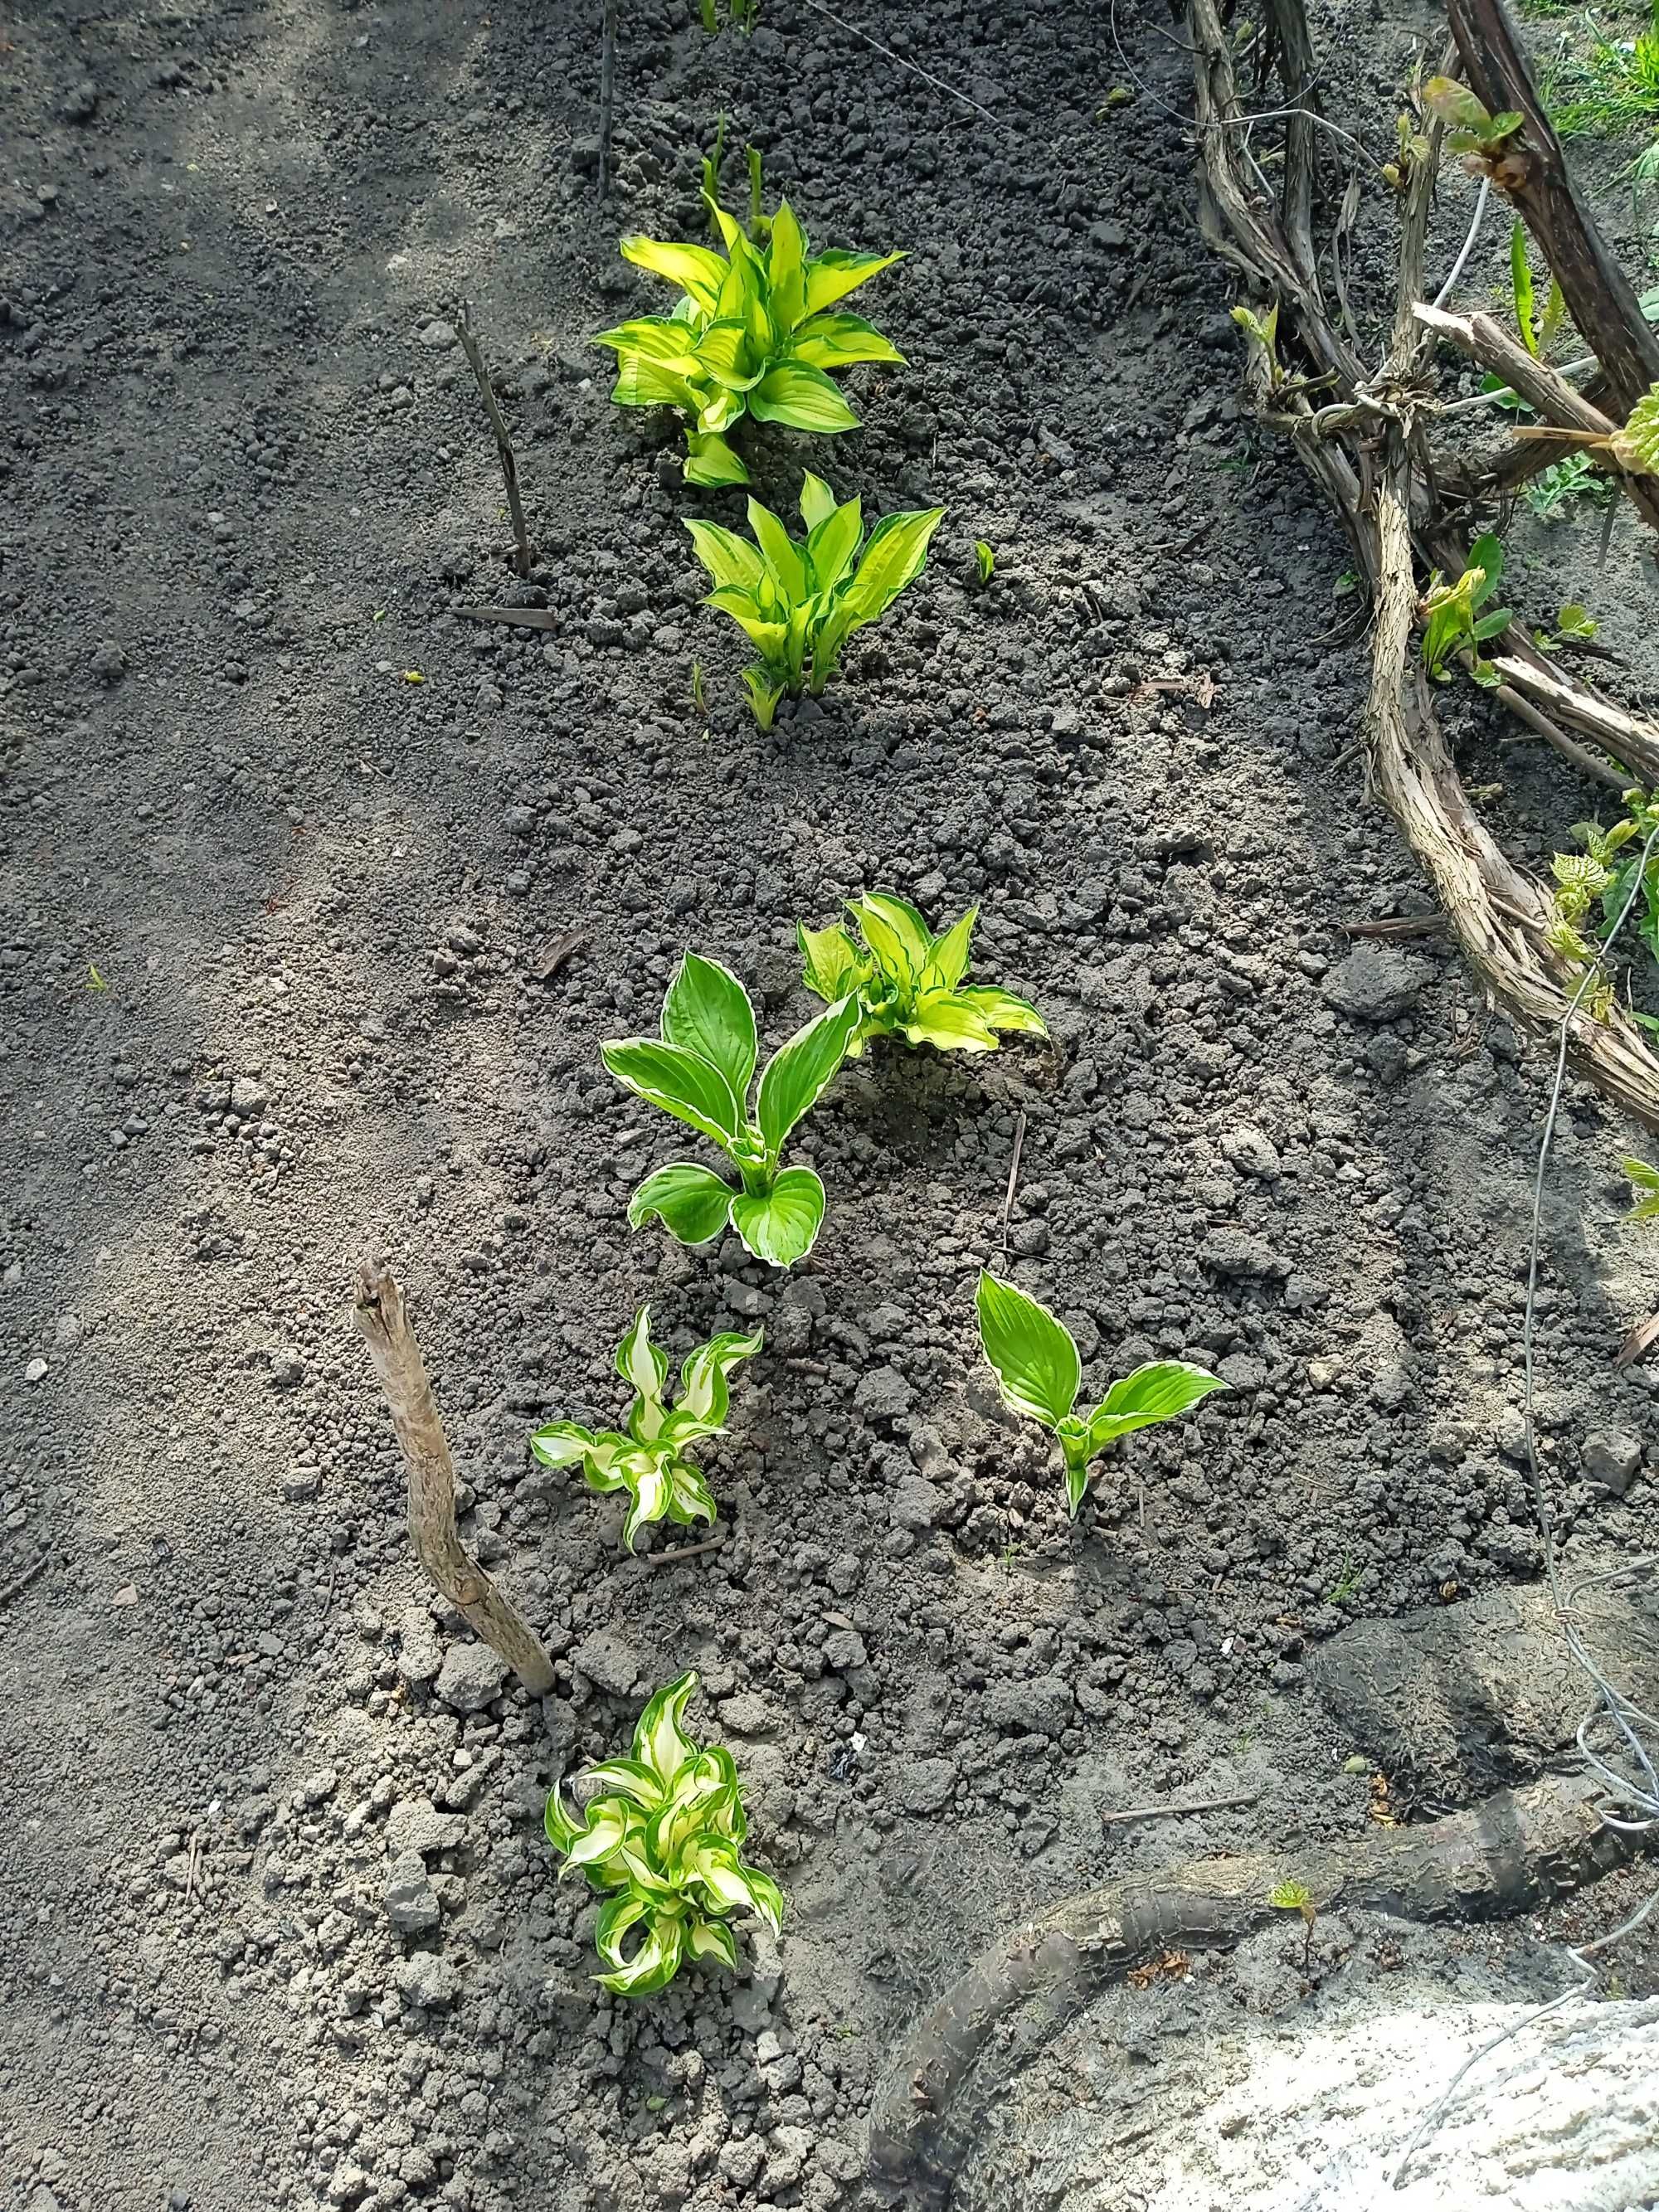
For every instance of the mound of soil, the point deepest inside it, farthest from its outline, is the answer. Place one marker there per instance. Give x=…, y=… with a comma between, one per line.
x=289, y=847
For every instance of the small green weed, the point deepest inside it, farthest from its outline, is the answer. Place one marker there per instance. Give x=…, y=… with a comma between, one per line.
x=1564, y=484
x=1345, y=1589
x=1611, y=88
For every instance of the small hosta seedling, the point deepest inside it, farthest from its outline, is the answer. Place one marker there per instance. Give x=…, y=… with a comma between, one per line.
x=907, y=981
x=1452, y=621
x=699, y=1071
x=985, y=561
x=1038, y=1367
x=757, y=330
x=663, y=1834
x=799, y=599
x=647, y=1460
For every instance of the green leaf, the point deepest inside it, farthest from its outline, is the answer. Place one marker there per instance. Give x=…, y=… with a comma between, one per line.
x=617, y=1918
x=828, y=342
x=1636, y=447
x=831, y=543
x=733, y=1887
x=708, y=1011
x=834, y=964
x=682, y=1082
x=609, y=1821
x=785, y=269
x=1521, y=286
x=818, y=502
x=799, y=1072
x=653, y=1966
x=703, y=1397
x=710, y=460
x=639, y=1362
x=895, y=556
x=641, y=382
x=1576, y=621
x=694, y=269
x=691, y=1202
x=781, y=553
x=649, y=1493
x=659, y=338
x=831, y=277
x=660, y=1742
x=768, y=637
x=1001, y=1010
x=945, y=1020
x=782, y=1227
x=892, y=948
x=1486, y=554
x=1644, y=1179
x=1036, y=1361
x=562, y=1443
x=906, y=925
x=765, y=693
x=727, y=352
x=947, y=964
x=729, y=559
x=1162, y=1391
x=713, y=1938
x=560, y=1829
x=1455, y=105
x=801, y=397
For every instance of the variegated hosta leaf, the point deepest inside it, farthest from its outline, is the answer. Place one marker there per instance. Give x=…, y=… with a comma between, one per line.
x=659, y=1742
x=704, y=1398
x=654, y=1965
x=713, y=1938
x=834, y=967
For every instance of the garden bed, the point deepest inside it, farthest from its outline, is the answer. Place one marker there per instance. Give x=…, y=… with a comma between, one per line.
x=278, y=988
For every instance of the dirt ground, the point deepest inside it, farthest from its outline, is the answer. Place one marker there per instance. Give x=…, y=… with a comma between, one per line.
x=286, y=842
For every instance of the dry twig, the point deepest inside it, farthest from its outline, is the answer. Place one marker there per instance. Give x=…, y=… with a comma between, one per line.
x=475, y=361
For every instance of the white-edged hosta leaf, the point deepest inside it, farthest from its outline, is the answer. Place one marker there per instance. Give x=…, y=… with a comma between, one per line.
x=710, y=460
x=818, y=502
x=647, y=1496
x=766, y=1898
x=690, y=1497
x=782, y=1227
x=1163, y=1391
x=704, y=1398
x=895, y=556
x=713, y=1938
x=660, y=1742
x=639, y=1362
x=841, y=342
x=830, y=276
x=682, y=1082
x=617, y=1917
x=782, y=555
x=802, y=398
x=730, y=560
x=942, y=1019
x=562, y=1827
x=562, y=1443
x=696, y=270
x=799, y=1072
x=692, y=1202
x=609, y=1820
x=1636, y=447
x=834, y=964
x=602, y=1462
x=831, y=543
x=706, y=1010
x=629, y=1778
x=947, y=964
x=654, y=1965
x=1031, y=1351
x=1001, y=1010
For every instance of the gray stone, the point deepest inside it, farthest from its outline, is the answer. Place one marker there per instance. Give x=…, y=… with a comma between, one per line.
x=747, y=1715
x=1235, y=1252
x=248, y=1097
x=925, y=1786
x=1612, y=1457
x=1374, y=984
x=427, y=1980
x=1243, y=1371
x=414, y=1826
x=1251, y=1152
x=438, y=336
x=471, y=1677
x=1044, y=1707
x=914, y=1504
x=109, y=663
x=882, y=1395
x=420, y=1653
x=608, y=1663
x=412, y=1903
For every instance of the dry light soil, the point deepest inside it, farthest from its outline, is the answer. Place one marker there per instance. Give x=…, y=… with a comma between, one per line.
x=290, y=849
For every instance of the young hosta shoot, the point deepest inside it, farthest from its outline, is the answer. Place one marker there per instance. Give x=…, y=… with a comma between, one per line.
x=664, y=1835
x=648, y=1460
x=699, y=1070
x=907, y=981
x=756, y=331
x=799, y=599
x=1037, y=1365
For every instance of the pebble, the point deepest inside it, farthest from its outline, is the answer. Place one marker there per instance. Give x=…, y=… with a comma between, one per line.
x=471, y=1677
x=438, y=336
x=914, y=1504
x=1374, y=984
x=608, y=1663
x=884, y=1395
x=414, y=1826
x=412, y=1903
x=1612, y=1457
x=36, y=1371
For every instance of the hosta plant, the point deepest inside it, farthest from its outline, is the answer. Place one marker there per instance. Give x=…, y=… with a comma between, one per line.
x=1037, y=1365
x=907, y=981
x=799, y=599
x=757, y=330
x=663, y=1835
x=648, y=1457
x=699, y=1070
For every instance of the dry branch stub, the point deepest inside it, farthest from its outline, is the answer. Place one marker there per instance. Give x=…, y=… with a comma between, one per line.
x=382, y=1318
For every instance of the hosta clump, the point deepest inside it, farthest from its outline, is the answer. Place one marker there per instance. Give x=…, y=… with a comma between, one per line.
x=756, y=331
x=799, y=599
x=907, y=981
x=664, y=1833
x=699, y=1072
x=648, y=1459
x=1038, y=1367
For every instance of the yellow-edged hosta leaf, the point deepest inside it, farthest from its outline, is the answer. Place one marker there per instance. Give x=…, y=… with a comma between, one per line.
x=785, y=269
x=642, y=382
x=1001, y=1010
x=801, y=397
x=818, y=502
x=698, y=271
x=724, y=352
x=717, y=408
x=834, y=964
x=831, y=277
x=710, y=460
x=840, y=342
x=895, y=556
x=902, y=919
x=831, y=542
x=943, y=1020
x=659, y=338
x=728, y=558
x=947, y=964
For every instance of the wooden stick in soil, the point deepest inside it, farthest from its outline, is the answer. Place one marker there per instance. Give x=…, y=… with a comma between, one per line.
x=383, y=1318
x=475, y=361
x=1534, y=174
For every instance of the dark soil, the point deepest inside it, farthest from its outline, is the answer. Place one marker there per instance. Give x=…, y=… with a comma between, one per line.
x=274, y=914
